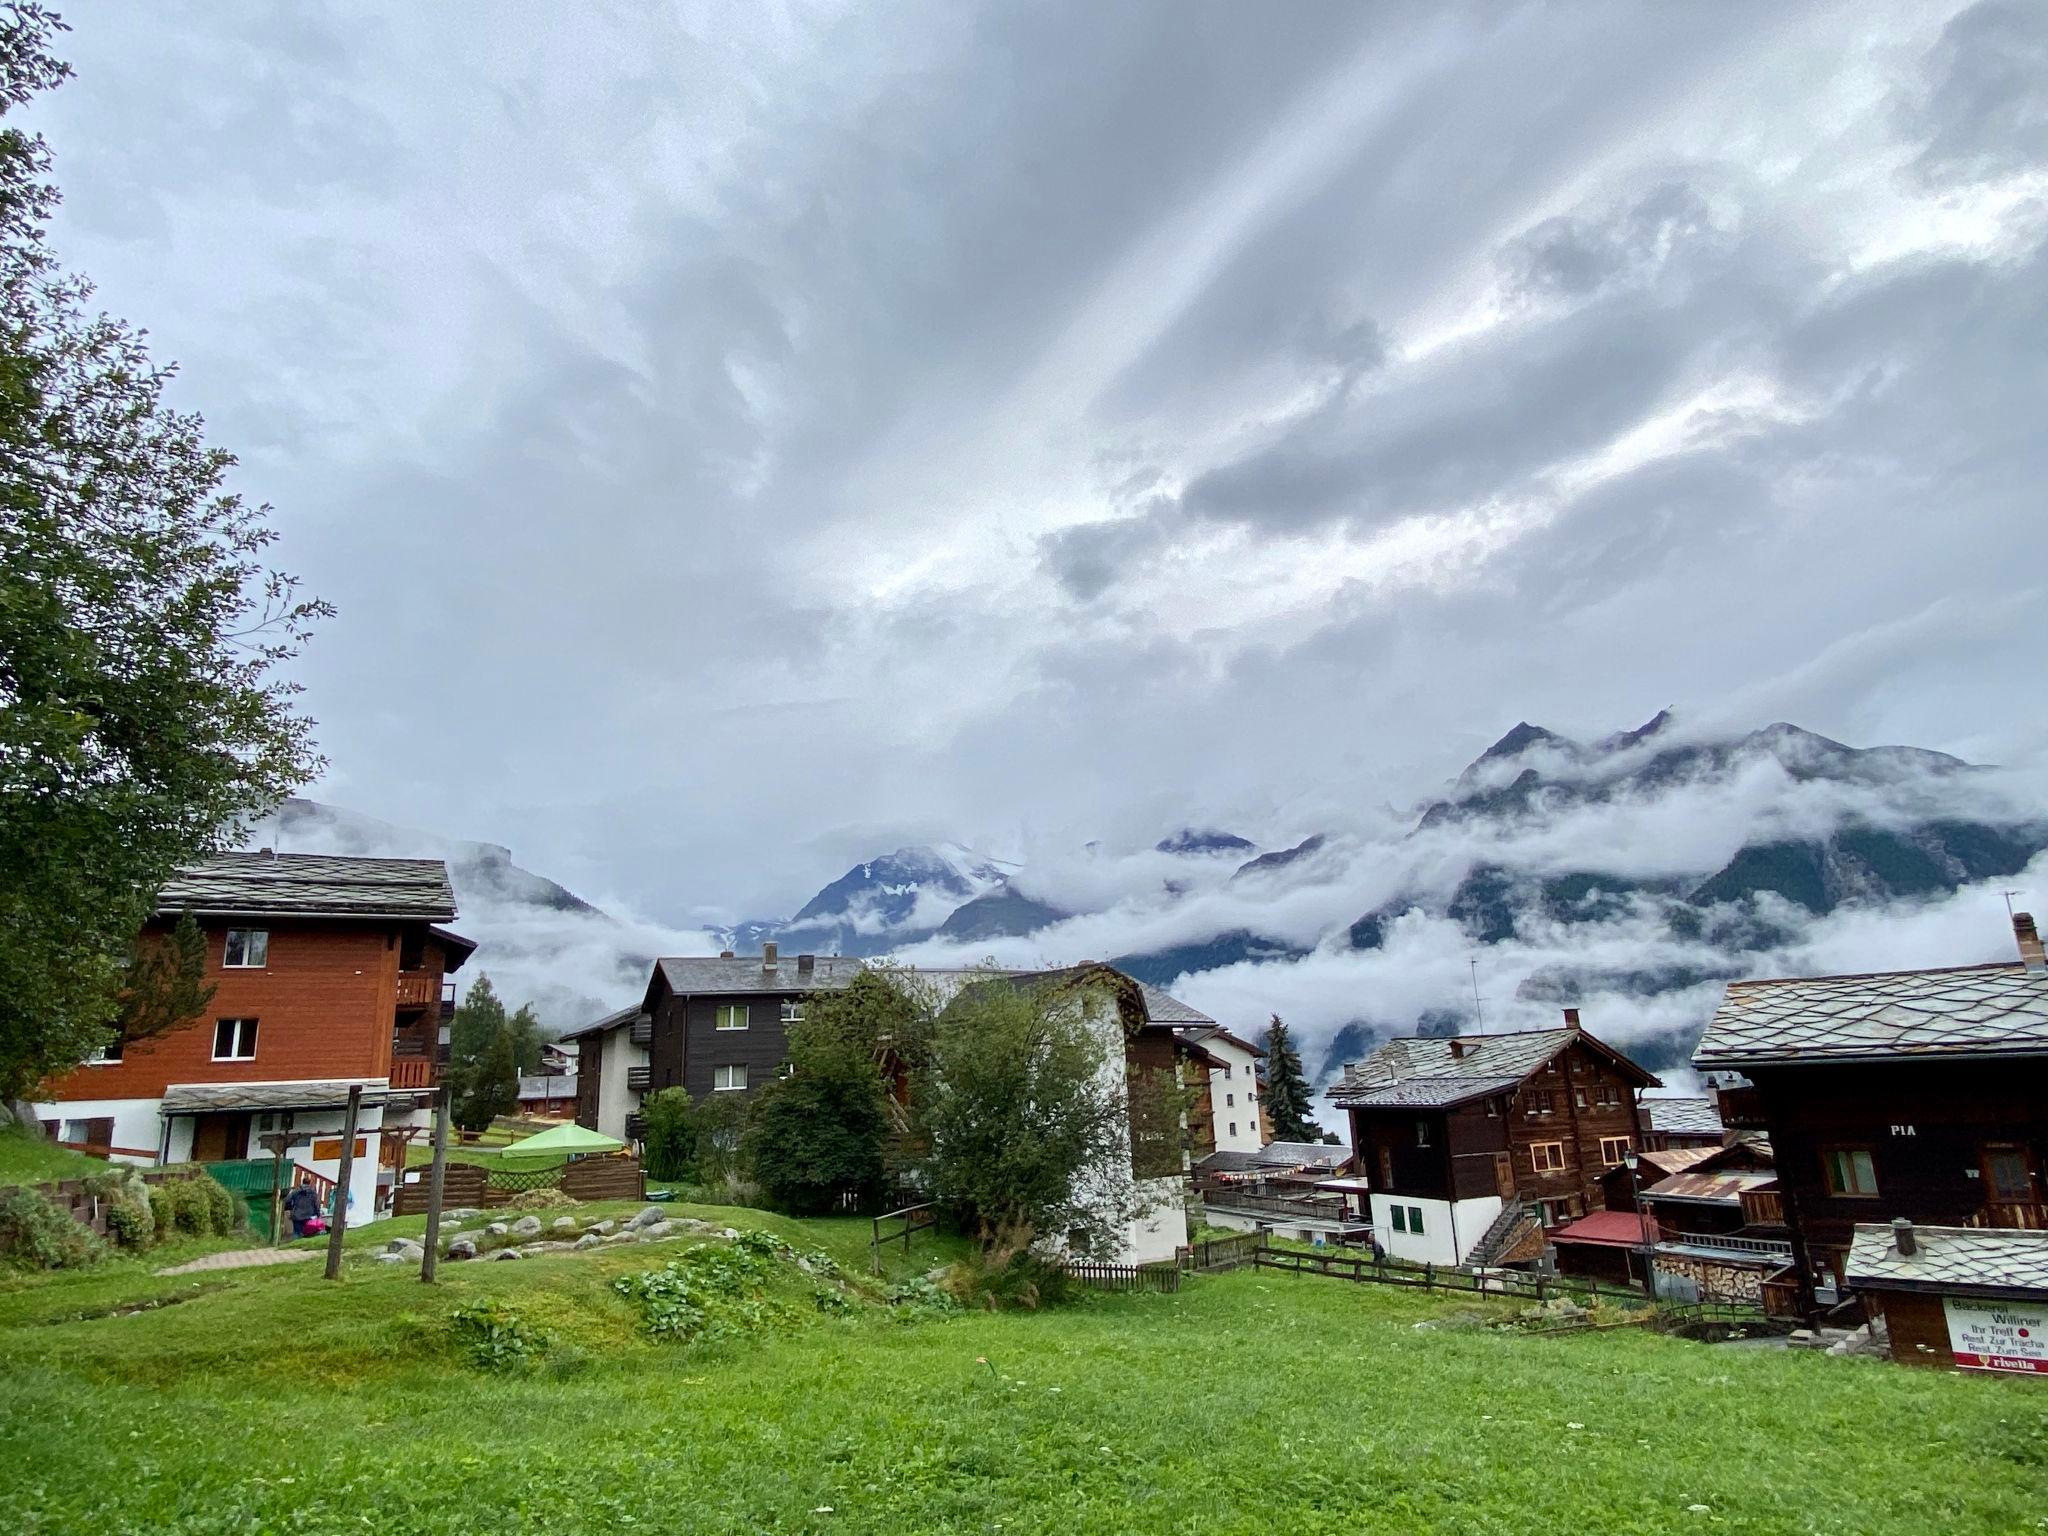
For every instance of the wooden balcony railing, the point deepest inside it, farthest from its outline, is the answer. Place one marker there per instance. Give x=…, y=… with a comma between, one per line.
x=641, y=1032
x=2026, y=1215
x=414, y=1072
x=639, y=1079
x=418, y=989
x=1763, y=1208
x=1743, y=1109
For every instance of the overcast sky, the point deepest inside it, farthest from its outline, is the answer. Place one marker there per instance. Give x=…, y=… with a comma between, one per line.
x=740, y=439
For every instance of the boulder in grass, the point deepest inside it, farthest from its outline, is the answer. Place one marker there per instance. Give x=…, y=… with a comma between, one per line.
x=602, y=1227
x=588, y=1240
x=461, y=1213
x=508, y=1253
x=564, y=1223
x=526, y=1226
x=497, y=1229
x=462, y=1248
x=647, y=1216
x=390, y=1258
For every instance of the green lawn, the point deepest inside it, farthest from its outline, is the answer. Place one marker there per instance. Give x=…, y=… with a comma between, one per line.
x=27, y=1159
x=1250, y=1402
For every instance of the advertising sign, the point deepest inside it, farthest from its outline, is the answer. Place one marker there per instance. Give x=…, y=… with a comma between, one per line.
x=1998, y=1335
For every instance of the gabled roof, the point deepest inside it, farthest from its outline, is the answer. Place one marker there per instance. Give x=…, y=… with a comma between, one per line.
x=1162, y=1007
x=699, y=975
x=1278, y=1157
x=1431, y=1073
x=601, y=1026
x=1966, y=1010
x=1685, y=1116
x=1992, y=1261
x=310, y=884
x=1203, y=1034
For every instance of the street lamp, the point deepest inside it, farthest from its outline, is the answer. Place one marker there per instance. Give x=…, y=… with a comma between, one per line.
x=1631, y=1157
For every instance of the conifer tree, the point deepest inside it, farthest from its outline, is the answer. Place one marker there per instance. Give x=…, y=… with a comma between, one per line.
x=1285, y=1092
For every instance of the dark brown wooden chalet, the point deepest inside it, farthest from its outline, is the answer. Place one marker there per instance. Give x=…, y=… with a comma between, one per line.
x=1914, y=1094
x=1683, y=1122
x=1473, y=1144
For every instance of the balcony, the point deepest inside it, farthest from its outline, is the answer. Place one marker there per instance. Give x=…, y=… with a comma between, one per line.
x=415, y=1072
x=636, y=1126
x=642, y=1032
x=2026, y=1215
x=1724, y=1244
x=1763, y=1208
x=639, y=1079
x=1742, y=1109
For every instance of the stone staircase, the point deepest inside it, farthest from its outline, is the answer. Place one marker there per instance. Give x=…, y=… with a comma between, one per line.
x=1510, y=1229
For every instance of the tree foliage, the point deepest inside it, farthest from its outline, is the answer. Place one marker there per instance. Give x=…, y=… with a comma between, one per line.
x=1022, y=1113
x=143, y=714
x=489, y=1089
x=527, y=1038
x=668, y=1139
x=166, y=984
x=816, y=1138
x=1285, y=1093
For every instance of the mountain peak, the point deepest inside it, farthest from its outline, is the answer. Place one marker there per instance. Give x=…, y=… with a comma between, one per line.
x=1520, y=739
x=1204, y=840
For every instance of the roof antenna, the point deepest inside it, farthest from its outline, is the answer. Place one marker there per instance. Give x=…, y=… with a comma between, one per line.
x=1478, y=1017
x=2008, y=895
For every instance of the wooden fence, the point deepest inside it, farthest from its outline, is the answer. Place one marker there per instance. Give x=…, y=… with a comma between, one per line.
x=1127, y=1277
x=910, y=1219
x=1507, y=1283
x=1221, y=1253
x=618, y=1177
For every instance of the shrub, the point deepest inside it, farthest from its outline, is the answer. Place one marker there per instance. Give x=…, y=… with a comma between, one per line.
x=669, y=1140
x=221, y=1216
x=193, y=1206
x=546, y=1198
x=125, y=1203
x=162, y=1209
x=37, y=1233
x=496, y=1338
x=1025, y=1280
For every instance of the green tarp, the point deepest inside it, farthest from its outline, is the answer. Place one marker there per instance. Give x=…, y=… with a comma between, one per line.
x=562, y=1141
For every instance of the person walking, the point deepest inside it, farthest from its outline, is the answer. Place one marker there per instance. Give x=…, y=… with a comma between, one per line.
x=302, y=1206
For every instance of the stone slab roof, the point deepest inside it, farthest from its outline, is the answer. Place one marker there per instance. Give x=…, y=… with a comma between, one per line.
x=1278, y=1157
x=1162, y=1007
x=319, y=884
x=599, y=1026
x=203, y=1098
x=1482, y=1064
x=1967, y=1010
x=1685, y=1116
x=1971, y=1260
x=698, y=975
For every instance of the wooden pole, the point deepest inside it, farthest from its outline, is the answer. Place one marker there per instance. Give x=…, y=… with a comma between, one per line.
x=277, y=1196
x=348, y=1160
x=434, y=1177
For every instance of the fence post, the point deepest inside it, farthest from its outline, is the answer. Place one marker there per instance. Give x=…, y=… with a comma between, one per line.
x=1429, y=1277
x=1539, y=1287
x=348, y=1162
x=435, y=1179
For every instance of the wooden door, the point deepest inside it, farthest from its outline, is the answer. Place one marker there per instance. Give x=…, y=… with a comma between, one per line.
x=220, y=1138
x=1504, y=1176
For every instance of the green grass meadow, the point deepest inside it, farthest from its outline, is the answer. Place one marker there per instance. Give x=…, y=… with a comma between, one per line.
x=272, y=1400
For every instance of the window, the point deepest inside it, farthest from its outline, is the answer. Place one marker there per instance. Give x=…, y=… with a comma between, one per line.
x=1493, y=1109
x=1607, y=1096
x=1230, y=1101
x=1547, y=1156
x=1226, y=1069
x=1579, y=1097
x=792, y=1013
x=1233, y=1127
x=726, y=1079
x=2008, y=1172
x=1849, y=1172
x=97, y=1132
x=1422, y=1133
x=234, y=1040
x=109, y=1052
x=1541, y=1101
x=247, y=949
x=1400, y=1217
x=1415, y=1219
x=732, y=1016
x=1614, y=1150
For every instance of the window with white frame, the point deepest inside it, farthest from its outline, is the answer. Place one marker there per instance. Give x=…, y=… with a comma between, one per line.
x=728, y=1078
x=247, y=949
x=234, y=1039
x=792, y=1011
x=731, y=1016
x=1614, y=1150
x=107, y=1054
x=1547, y=1156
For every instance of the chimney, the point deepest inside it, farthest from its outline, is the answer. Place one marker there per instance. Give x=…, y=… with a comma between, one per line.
x=1457, y=1049
x=768, y=956
x=806, y=964
x=1903, y=1238
x=1571, y=1018
x=725, y=954
x=2029, y=938
x=271, y=853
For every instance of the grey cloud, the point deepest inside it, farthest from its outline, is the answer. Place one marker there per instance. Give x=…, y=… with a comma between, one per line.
x=1575, y=257
x=1985, y=111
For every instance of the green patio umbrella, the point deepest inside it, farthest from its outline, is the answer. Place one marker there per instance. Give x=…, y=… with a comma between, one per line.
x=563, y=1140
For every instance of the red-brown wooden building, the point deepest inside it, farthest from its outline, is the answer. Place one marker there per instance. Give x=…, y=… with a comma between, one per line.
x=327, y=972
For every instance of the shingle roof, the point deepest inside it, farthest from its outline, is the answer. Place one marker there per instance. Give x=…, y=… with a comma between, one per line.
x=599, y=1026
x=1479, y=1064
x=1277, y=1157
x=1685, y=1117
x=1966, y=1259
x=697, y=975
x=1715, y=1187
x=1162, y=1007
x=1968, y=1010
x=319, y=883
x=201, y=1098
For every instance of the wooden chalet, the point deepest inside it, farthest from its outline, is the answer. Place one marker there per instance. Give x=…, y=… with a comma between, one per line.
x=1474, y=1145
x=1680, y=1121
x=327, y=973
x=1960, y=1298
x=1920, y=1095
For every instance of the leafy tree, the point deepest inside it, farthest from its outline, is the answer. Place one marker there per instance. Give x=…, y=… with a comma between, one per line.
x=142, y=715
x=488, y=1090
x=1285, y=1092
x=479, y=1019
x=166, y=983
x=815, y=1138
x=721, y=1120
x=1023, y=1115
x=669, y=1139
x=527, y=1038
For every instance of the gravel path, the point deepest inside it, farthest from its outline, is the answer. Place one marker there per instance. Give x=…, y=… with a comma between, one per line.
x=242, y=1258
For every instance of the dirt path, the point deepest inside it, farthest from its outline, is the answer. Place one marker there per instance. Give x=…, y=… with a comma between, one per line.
x=241, y=1258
